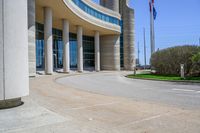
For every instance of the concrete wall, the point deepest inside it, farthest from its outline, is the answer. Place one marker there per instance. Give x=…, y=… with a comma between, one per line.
x=110, y=52
x=15, y=48
x=31, y=38
x=110, y=4
x=128, y=35
x=1, y=51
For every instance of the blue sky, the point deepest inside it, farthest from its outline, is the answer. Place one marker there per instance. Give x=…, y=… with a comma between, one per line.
x=177, y=23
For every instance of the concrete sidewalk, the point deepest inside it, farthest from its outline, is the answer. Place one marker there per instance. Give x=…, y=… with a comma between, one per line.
x=54, y=108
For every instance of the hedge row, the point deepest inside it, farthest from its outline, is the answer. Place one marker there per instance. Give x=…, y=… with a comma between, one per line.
x=167, y=61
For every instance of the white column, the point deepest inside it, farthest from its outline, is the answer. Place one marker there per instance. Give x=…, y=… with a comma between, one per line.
x=31, y=38
x=66, y=54
x=14, y=81
x=48, y=40
x=80, y=48
x=97, y=52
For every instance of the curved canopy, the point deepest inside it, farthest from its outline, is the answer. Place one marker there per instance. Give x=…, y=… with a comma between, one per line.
x=67, y=9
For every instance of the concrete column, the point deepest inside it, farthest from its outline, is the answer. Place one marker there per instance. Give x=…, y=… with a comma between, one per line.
x=1, y=52
x=31, y=38
x=128, y=35
x=66, y=54
x=80, y=48
x=97, y=52
x=48, y=40
x=116, y=54
x=14, y=81
x=110, y=52
x=110, y=4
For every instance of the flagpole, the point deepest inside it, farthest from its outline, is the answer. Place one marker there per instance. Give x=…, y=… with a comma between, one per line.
x=138, y=53
x=152, y=33
x=145, y=63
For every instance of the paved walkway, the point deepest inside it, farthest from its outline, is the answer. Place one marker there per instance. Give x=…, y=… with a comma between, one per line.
x=184, y=95
x=57, y=108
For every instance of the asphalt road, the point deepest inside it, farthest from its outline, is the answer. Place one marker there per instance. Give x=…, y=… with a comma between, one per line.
x=115, y=84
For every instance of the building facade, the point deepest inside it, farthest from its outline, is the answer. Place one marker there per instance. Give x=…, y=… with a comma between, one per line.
x=63, y=34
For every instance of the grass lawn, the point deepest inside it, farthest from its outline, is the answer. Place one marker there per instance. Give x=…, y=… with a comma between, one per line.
x=163, y=77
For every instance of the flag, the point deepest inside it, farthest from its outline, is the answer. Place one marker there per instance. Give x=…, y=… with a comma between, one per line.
x=154, y=13
x=151, y=5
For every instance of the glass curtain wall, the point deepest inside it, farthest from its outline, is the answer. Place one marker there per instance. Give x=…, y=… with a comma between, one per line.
x=39, y=46
x=121, y=45
x=73, y=50
x=88, y=49
x=57, y=48
x=93, y=12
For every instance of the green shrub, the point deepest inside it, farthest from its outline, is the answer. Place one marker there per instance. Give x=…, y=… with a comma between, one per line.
x=196, y=64
x=167, y=61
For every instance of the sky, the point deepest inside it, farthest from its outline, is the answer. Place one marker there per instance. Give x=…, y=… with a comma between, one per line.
x=177, y=23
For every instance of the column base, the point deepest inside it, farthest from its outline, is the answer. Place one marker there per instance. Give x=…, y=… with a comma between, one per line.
x=11, y=103
x=48, y=73
x=66, y=72
x=80, y=71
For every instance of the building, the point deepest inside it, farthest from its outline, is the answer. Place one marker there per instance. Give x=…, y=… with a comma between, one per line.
x=62, y=34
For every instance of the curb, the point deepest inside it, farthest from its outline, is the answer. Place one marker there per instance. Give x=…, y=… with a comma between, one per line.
x=176, y=81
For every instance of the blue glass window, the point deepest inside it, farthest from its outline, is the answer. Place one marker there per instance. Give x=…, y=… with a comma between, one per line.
x=88, y=49
x=121, y=45
x=96, y=13
x=40, y=46
x=73, y=50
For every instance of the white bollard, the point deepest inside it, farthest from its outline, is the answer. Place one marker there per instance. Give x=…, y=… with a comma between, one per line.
x=182, y=71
